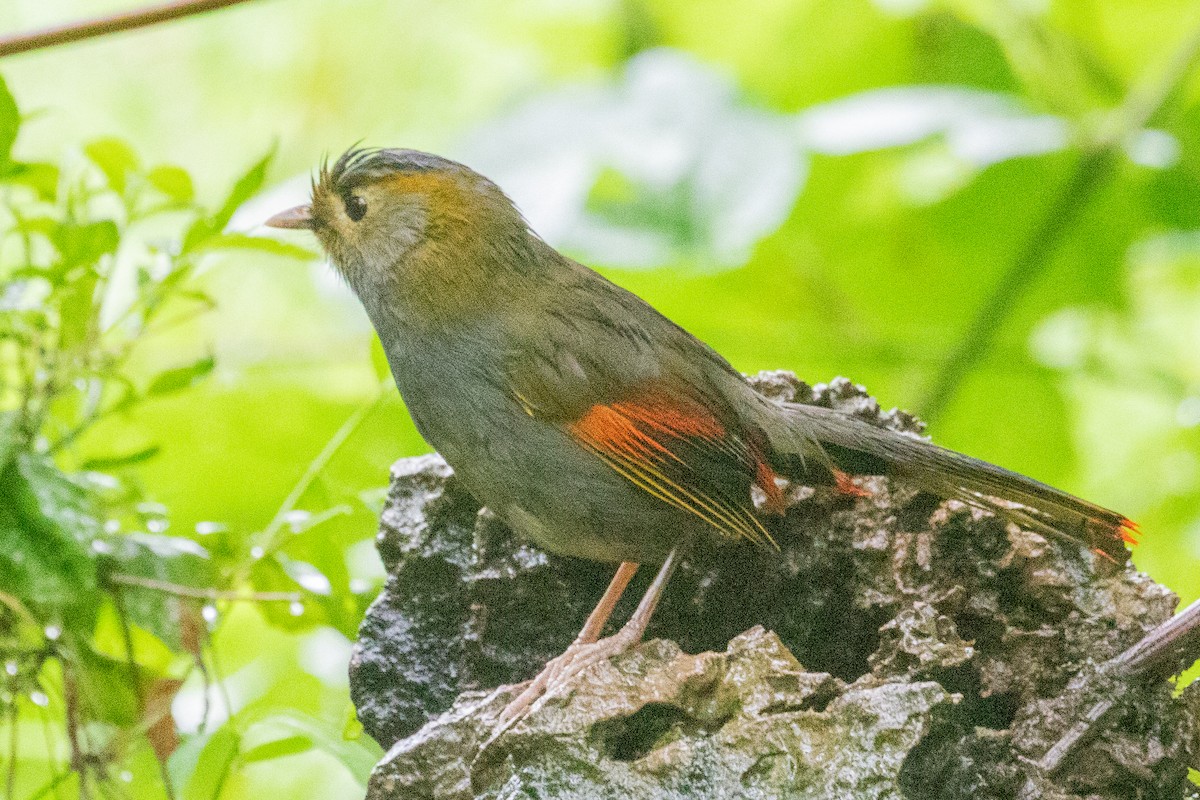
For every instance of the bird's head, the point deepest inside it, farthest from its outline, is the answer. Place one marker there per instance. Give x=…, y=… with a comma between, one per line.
x=411, y=223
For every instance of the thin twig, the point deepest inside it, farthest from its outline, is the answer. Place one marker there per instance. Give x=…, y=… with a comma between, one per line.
x=203, y=593
x=1170, y=648
x=135, y=677
x=113, y=23
x=79, y=762
x=1094, y=169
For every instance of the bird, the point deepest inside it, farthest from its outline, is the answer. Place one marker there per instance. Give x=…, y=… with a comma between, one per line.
x=586, y=420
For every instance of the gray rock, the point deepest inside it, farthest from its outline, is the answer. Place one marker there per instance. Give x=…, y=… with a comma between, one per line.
x=749, y=722
x=936, y=644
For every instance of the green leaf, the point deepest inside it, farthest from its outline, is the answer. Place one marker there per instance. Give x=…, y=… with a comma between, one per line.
x=76, y=308
x=174, y=182
x=245, y=188
x=357, y=757
x=305, y=575
x=41, y=177
x=241, y=241
x=205, y=228
x=201, y=765
x=9, y=437
x=106, y=686
x=85, y=243
x=287, y=746
x=172, y=559
x=46, y=532
x=124, y=460
x=173, y=380
x=10, y=122
x=115, y=159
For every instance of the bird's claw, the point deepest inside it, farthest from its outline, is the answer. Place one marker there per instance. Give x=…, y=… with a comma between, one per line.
x=554, y=680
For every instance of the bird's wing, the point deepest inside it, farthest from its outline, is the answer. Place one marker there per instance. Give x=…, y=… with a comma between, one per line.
x=616, y=383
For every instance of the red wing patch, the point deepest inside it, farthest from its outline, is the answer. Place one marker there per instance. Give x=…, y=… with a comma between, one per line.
x=844, y=483
x=677, y=450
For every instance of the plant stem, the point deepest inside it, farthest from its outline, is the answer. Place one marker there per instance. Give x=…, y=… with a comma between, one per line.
x=113, y=23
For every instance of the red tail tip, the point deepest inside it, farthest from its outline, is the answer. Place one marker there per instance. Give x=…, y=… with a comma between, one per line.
x=1129, y=531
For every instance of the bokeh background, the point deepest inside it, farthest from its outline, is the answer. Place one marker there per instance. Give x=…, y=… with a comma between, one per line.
x=986, y=211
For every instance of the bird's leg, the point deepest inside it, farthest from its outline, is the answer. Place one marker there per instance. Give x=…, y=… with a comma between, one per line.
x=596, y=621
x=587, y=650
x=587, y=635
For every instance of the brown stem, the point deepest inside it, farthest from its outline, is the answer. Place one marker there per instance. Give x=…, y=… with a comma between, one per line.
x=135, y=677
x=100, y=26
x=203, y=593
x=79, y=761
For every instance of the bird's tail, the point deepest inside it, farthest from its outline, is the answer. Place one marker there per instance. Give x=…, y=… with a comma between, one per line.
x=857, y=447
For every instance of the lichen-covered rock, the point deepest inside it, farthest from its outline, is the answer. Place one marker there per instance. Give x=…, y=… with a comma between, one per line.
x=893, y=603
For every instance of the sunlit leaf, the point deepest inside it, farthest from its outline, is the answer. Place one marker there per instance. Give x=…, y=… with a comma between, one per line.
x=173, y=380
x=115, y=159
x=172, y=181
x=10, y=122
x=354, y=756
x=205, y=228
x=287, y=746
x=85, y=243
x=245, y=188
x=241, y=241
x=305, y=575
x=123, y=460
x=201, y=774
x=42, y=178
x=76, y=306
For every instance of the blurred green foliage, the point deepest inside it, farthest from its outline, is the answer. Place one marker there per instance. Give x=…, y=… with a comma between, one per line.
x=833, y=188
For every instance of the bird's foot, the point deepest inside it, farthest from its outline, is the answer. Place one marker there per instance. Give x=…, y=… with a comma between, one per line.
x=556, y=678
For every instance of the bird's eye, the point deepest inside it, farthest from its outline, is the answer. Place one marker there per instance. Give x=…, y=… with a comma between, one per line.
x=356, y=207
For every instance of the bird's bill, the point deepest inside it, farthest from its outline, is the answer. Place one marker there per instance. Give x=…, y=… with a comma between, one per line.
x=298, y=217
